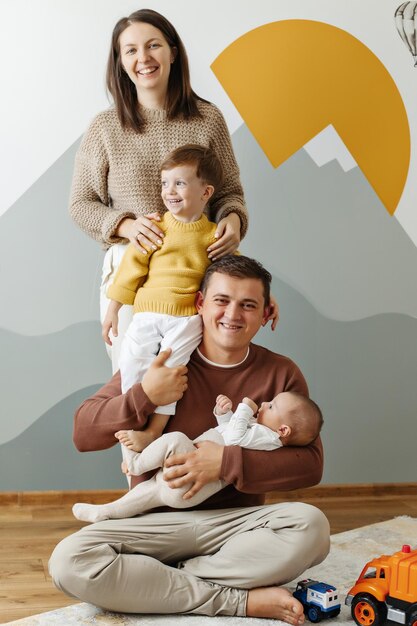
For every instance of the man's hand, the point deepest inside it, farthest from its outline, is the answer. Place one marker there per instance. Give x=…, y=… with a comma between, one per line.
x=195, y=468
x=163, y=384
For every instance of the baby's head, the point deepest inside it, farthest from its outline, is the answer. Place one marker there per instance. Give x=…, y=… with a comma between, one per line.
x=189, y=177
x=296, y=418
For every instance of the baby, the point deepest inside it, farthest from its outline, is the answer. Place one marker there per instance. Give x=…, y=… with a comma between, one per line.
x=290, y=419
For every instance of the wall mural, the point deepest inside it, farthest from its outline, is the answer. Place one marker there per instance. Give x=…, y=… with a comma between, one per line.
x=325, y=152
x=318, y=75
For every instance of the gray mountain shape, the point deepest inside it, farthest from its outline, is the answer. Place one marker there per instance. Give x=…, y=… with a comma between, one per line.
x=40, y=371
x=325, y=232
x=49, y=269
x=328, y=237
x=320, y=229
x=44, y=457
x=362, y=374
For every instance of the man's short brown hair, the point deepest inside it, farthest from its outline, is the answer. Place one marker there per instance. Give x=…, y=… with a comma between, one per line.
x=239, y=266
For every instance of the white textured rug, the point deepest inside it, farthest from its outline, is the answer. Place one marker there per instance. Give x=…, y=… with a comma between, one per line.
x=349, y=553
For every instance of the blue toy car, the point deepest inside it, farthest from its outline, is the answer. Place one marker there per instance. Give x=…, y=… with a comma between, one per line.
x=320, y=600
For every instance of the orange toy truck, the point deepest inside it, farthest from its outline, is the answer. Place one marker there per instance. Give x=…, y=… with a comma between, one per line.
x=386, y=589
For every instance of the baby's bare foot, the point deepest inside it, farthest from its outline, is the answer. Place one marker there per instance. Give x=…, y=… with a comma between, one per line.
x=136, y=440
x=275, y=603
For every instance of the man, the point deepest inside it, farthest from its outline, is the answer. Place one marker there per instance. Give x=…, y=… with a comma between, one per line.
x=230, y=555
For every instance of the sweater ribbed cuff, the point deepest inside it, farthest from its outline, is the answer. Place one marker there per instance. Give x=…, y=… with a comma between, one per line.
x=121, y=294
x=111, y=224
x=231, y=462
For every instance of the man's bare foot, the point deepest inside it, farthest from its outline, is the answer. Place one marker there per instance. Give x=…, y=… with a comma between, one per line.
x=136, y=440
x=275, y=603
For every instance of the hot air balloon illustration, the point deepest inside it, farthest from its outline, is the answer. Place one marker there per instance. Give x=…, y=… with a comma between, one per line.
x=406, y=23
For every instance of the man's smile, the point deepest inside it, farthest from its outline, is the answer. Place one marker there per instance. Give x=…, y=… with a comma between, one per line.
x=229, y=326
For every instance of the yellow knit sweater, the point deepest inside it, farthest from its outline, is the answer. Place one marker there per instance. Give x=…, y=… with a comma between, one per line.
x=166, y=280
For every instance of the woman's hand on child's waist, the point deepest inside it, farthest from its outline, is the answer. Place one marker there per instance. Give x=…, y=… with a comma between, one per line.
x=228, y=237
x=142, y=232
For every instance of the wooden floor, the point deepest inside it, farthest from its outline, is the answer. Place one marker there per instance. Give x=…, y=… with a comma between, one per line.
x=32, y=524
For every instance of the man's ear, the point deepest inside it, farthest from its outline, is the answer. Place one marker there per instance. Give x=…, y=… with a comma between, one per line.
x=265, y=317
x=199, y=299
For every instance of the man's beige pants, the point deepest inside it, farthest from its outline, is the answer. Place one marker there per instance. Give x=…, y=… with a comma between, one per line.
x=199, y=562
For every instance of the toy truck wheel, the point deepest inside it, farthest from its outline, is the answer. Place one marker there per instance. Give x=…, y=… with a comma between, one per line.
x=413, y=619
x=366, y=611
x=314, y=614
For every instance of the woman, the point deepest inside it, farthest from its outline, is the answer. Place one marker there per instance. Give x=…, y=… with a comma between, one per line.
x=116, y=187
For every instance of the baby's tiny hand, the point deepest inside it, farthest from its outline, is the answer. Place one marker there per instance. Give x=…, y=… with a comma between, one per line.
x=223, y=404
x=251, y=404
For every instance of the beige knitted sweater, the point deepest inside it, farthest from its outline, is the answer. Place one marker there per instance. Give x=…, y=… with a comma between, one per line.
x=116, y=173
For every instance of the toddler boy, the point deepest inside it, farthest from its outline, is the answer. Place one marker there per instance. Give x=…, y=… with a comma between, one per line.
x=162, y=284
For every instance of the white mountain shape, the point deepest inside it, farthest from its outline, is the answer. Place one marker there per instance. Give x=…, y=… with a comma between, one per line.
x=329, y=146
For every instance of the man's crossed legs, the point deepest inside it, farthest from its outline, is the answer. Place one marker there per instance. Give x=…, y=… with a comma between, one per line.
x=201, y=562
